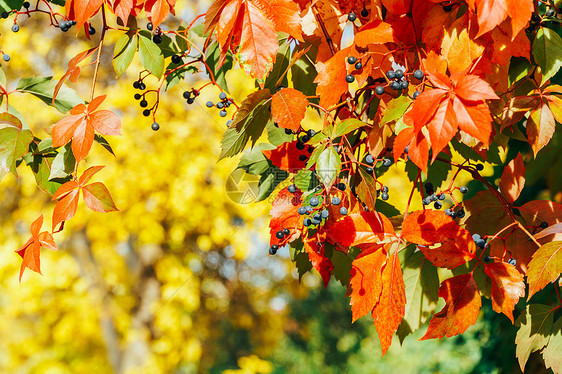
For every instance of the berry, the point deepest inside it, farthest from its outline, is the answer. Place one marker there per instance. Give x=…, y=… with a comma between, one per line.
x=314, y=201
x=300, y=145
x=186, y=94
x=91, y=30
x=143, y=103
x=222, y=113
x=155, y=126
x=176, y=59
x=228, y=123
x=404, y=85
x=351, y=17
x=450, y=213
x=416, y=94
x=369, y=159
x=358, y=66
x=310, y=149
x=437, y=205
x=288, y=131
x=279, y=234
x=384, y=196
x=343, y=211
x=475, y=237
x=442, y=196
x=487, y=259
x=222, y=96
x=351, y=60
x=448, y=8
x=307, y=222
x=395, y=86
x=341, y=186
x=220, y=105
x=399, y=74
x=550, y=13
x=336, y=200
x=479, y=167
x=379, y=90
x=6, y=57
x=433, y=197
x=364, y=13
x=406, y=149
x=460, y=213
x=463, y=189
x=26, y=4
x=136, y=84
x=428, y=187
x=305, y=138
x=137, y=96
x=286, y=231
x=15, y=28
x=535, y=18
x=390, y=74
x=316, y=219
x=309, y=209
x=512, y=261
x=210, y=104
x=386, y=162
x=4, y=15
x=190, y=101
x=481, y=243
x=418, y=74
x=426, y=201
x=544, y=225
x=146, y=112
x=349, y=78
x=311, y=133
x=149, y=26
x=302, y=157
x=292, y=188
x=301, y=210
x=385, y=189
x=324, y=214
x=369, y=170
x=142, y=86
x=157, y=39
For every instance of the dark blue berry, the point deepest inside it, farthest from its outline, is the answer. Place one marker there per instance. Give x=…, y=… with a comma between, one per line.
x=155, y=126
x=146, y=112
x=544, y=225
x=302, y=158
x=349, y=78
x=15, y=28
x=176, y=59
x=292, y=188
x=343, y=211
x=279, y=234
x=442, y=196
x=157, y=39
x=416, y=94
x=341, y=186
x=404, y=85
x=149, y=26
x=364, y=13
x=358, y=66
x=390, y=74
x=438, y=205
x=143, y=103
x=91, y=30
x=479, y=167
x=351, y=17
x=336, y=200
x=460, y=213
x=142, y=86
x=288, y=131
x=310, y=132
x=6, y=57
x=399, y=74
x=301, y=210
x=286, y=232
x=300, y=145
x=384, y=196
x=222, y=96
x=386, y=162
x=210, y=104
x=351, y=60
x=379, y=90
x=418, y=74
x=223, y=113
x=324, y=214
x=395, y=86
x=307, y=222
x=314, y=201
x=463, y=189
x=190, y=101
x=186, y=94
x=369, y=159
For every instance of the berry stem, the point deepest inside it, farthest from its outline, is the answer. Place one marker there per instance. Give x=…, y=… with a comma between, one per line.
x=98, y=58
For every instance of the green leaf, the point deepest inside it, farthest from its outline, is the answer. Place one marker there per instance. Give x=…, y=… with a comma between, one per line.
x=436, y=172
x=547, y=51
x=125, y=49
x=253, y=161
x=7, y=5
x=421, y=283
x=347, y=126
x=519, y=68
x=300, y=257
x=219, y=72
x=42, y=167
x=367, y=189
x=552, y=353
x=151, y=56
x=342, y=265
x=14, y=142
x=43, y=88
x=279, y=67
x=386, y=208
x=306, y=180
x=303, y=73
x=269, y=180
x=328, y=166
x=535, y=326
x=63, y=164
x=277, y=135
x=396, y=109
x=104, y=143
x=315, y=154
x=45, y=146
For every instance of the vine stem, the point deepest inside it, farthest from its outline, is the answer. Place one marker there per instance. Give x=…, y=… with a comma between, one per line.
x=98, y=58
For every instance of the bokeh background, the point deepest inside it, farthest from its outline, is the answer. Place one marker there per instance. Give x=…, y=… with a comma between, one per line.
x=179, y=281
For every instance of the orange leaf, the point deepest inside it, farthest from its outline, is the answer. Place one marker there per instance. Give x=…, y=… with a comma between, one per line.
x=375, y=32
x=453, y=253
x=288, y=107
x=98, y=198
x=390, y=308
x=82, y=10
x=513, y=179
x=331, y=79
x=31, y=250
x=360, y=228
x=318, y=259
x=365, y=281
x=427, y=227
x=460, y=311
x=88, y=174
x=105, y=122
x=545, y=266
x=284, y=14
x=66, y=207
x=507, y=287
x=158, y=10
x=520, y=12
x=122, y=8
x=540, y=126
x=284, y=215
x=490, y=13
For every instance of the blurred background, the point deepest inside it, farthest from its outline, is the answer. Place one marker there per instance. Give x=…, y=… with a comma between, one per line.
x=180, y=281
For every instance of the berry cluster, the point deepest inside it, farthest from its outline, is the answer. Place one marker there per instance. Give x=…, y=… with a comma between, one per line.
x=190, y=96
x=436, y=198
x=398, y=81
x=222, y=104
x=65, y=25
x=480, y=242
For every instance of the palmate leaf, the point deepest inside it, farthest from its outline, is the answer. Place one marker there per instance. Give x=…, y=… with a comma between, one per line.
x=44, y=87
x=535, y=326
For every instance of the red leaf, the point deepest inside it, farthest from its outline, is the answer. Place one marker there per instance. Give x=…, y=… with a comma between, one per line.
x=365, y=281
x=513, y=179
x=390, y=308
x=82, y=10
x=66, y=207
x=427, y=227
x=318, y=259
x=460, y=311
x=98, y=198
x=122, y=8
x=473, y=88
x=31, y=250
x=284, y=215
x=520, y=12
x=331, y=79
x=507, y=287
x=288, y=107
x=453, y=253
x=286, y=156
x=284, y=14
x=360, y=228
x=158, y=10
x=490, y=13
x=426, y=105
x=545, y=266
